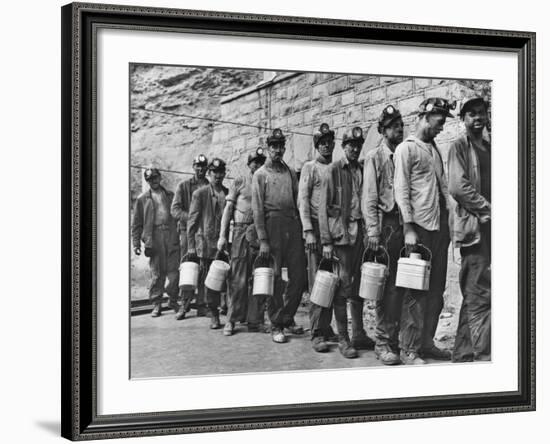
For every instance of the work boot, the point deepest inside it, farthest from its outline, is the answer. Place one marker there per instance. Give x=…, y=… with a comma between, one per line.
x=278, y=336
x=187, y=305
x=181, y=313
x=463, y=358
x=215, y=320
x=411, y=358
x=157, y=310
x=228, y=329
x=319, y=345
x=362, y=342
x=185, y=296
x=174, y=306
x=386, y=355
x=346, y=349
x=436, y=353
x=293, y=329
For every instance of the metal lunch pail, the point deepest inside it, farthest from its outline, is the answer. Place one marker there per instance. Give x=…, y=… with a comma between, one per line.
x=217, y=274
x=413, y=271
x=325, y=284
x=189, y=274
x=263, y=278
x=373, y=276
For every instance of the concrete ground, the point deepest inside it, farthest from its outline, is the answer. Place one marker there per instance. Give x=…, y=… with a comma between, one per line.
x=164, y=347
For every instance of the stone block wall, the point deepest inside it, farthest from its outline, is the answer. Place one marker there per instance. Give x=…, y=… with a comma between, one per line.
x=299, y=102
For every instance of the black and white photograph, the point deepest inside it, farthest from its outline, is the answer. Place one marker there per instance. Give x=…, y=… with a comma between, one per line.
x=275, y=222
x=295, y=221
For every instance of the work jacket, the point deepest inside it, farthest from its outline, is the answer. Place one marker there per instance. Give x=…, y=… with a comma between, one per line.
x=309, y=190
x=339, y=219
x=205, y=214
x=182, y=200
x=143, y=220
x=467, y=203
x=378, y=195
x=417, y=184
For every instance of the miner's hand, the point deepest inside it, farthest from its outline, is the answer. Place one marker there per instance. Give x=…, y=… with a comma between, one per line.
x=411, y=238
x=191, y=254
x=484, y=219
x=373, y=243
x=264, y=249
x=221, y=243
x=328, y=251
x=311, y=241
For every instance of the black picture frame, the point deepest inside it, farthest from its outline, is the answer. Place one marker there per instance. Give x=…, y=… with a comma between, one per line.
x=80, y=22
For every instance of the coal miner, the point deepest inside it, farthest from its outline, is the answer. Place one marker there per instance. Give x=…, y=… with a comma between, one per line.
x=383, y=228
x=153, y=225
x=205, y=216
x=242, y=305
x=421, y=194
x=309, y=192
x=274, y=194
x=341, y=228
x=469, y=165
x=180, y=212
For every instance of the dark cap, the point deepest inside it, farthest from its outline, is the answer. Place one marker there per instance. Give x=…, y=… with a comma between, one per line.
x=276, y=137
x=216, y=164
x=324, y=132
x=356, y=135
x=472, y=101
x=437, y=105
x=149, y=173
x=389, y=114
x=200, y=160
x=257, y=155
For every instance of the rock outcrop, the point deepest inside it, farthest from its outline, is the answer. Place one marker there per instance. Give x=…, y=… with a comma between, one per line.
x=162, y=137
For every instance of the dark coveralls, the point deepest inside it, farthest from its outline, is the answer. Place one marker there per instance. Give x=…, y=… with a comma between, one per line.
x=162, y=237
x=340, y=224
x=274, y=192
x=470, y=187
x=205, y=214
x=309, y=194
x=421, y=194
x=244, y=250
x=381, y=217
x=180, y=212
